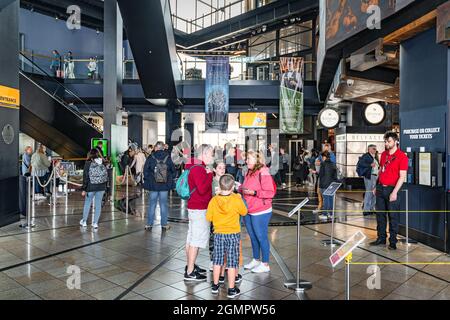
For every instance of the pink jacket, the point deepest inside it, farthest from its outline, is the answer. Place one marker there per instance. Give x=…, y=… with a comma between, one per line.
x=261, y=182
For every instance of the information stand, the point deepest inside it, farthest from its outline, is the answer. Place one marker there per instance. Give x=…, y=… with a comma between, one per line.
x=331, y=191
x=345, y=252
x=298, y=284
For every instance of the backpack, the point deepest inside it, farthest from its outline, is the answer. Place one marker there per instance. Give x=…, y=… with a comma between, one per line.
x=160, y=172
x=97, y=173
x=182, y=186
x=361, y=170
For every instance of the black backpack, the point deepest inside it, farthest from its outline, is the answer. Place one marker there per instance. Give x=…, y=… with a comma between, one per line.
x=160, y=172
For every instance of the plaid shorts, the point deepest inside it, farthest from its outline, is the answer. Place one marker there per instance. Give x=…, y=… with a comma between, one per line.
x=226, y=244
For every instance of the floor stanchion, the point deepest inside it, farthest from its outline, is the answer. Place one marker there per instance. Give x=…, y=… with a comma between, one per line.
x=298, y=284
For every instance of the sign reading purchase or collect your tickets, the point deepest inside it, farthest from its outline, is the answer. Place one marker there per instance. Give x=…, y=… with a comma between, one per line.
x=332, y=189
x=350, y=245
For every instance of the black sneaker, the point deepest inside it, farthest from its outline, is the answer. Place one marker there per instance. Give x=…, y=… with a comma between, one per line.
x=238, y=278
x=377, y=242
x=221, y=279
x=196, y=268
x=194, y=276
x=215, y=288
x=233, y=292
x=392, y=246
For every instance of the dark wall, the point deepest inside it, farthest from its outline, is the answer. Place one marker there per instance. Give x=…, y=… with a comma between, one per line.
x=423, y=94
x=9, y=77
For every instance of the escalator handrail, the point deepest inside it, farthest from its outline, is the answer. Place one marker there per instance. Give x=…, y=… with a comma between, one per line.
x=60, y=84
x=79, y=115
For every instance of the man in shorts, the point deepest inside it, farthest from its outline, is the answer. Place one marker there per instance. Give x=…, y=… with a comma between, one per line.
x=200, y=185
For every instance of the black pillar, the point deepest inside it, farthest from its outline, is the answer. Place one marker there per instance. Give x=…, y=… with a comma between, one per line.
x=135, y=128
x=173, y=122
x=9, y=113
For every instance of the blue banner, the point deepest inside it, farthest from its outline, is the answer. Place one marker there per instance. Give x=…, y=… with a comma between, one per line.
x=217, y=93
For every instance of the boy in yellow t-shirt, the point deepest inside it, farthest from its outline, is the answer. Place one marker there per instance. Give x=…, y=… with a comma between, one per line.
x=224, y=211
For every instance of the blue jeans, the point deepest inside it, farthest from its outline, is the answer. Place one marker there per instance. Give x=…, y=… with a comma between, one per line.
x=98, y=196
x=369, y=197
x=258, y=230
x=327, y=203
x=163, y=205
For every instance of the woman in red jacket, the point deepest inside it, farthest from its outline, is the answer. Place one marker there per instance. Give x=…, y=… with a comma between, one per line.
x=258, y=189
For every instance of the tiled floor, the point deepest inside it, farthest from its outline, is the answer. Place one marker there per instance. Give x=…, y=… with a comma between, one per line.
x=123, y=261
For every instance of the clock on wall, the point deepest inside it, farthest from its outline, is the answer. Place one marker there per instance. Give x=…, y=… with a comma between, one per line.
x=329, y=118
x=374, y=113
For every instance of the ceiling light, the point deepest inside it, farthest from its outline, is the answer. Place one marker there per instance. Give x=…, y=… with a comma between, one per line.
x=56, y=17
x=264, y=28
x=292, y=20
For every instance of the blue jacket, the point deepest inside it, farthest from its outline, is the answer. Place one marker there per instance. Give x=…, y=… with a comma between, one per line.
x=149, y=179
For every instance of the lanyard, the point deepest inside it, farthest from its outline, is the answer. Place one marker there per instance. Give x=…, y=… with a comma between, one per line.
x=387, y=162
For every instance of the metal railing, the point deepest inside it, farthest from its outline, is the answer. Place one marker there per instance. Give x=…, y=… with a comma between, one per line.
x=57, y=90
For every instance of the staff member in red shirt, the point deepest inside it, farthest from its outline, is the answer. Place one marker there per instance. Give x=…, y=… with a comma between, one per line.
x=393, y=168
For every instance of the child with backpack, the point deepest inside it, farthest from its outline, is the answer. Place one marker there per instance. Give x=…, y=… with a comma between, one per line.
x=224, y=211
x=95, y=178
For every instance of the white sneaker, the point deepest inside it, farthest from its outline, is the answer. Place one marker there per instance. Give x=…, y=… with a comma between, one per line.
x=83, y=223
x=254, y=263
x=95, y=226
x=283, y=185
x=316, y=211
x=261, y=268
x=323, y=217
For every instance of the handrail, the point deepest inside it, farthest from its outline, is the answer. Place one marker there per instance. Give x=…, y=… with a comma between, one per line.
x=60, y=84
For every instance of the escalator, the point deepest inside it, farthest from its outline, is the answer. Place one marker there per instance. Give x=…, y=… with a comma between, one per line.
x=48, y=118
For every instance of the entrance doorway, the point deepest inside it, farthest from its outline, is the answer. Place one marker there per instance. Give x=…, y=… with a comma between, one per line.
x=294, y=147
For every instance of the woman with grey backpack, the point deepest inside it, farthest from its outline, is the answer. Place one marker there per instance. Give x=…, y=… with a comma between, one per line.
x=95, y=178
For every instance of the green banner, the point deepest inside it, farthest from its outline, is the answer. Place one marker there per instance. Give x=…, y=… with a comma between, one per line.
x=291, y=96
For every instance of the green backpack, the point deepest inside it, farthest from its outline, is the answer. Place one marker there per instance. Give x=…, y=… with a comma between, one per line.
x=182, y=186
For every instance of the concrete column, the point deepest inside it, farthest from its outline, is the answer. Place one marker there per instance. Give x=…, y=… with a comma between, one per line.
x=135, y=128
x=113, y=74
x=9, y=112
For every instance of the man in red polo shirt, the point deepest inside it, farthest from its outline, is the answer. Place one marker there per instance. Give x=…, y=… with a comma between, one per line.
x=393, y=168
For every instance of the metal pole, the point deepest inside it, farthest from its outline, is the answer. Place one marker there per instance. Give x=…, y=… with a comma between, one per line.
x=407, y=219
x=298, y=289
x=126, y=188
x=347, y=276
x=54, y=186
x=113, y=190
x=29, y=203
x=67, y=188
x=34, y=187
x=332, y=223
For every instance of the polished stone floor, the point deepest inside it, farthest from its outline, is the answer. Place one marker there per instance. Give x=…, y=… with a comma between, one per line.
x=123, y=261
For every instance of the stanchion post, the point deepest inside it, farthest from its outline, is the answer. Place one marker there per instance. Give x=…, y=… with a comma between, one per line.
x=33, y=186
x=298, y=284
x=407, y=219
x=113, y=189
x=126, y=188
x=29, y=203
x=54, y=186
x=348, y=260
x=67, y=188
x=332, y=224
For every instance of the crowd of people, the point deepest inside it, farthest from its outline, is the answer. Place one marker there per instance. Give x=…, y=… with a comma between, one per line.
x=229, y=187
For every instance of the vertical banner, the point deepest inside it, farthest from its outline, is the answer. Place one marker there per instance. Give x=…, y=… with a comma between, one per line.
x=291, y=95
x=217, y=93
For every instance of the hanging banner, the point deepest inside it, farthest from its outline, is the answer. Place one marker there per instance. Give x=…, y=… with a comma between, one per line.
x=217, y=93
x=291, y=95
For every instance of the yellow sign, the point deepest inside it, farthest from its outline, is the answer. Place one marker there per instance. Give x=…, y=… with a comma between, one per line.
x=252, y=120
x=9, y=97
